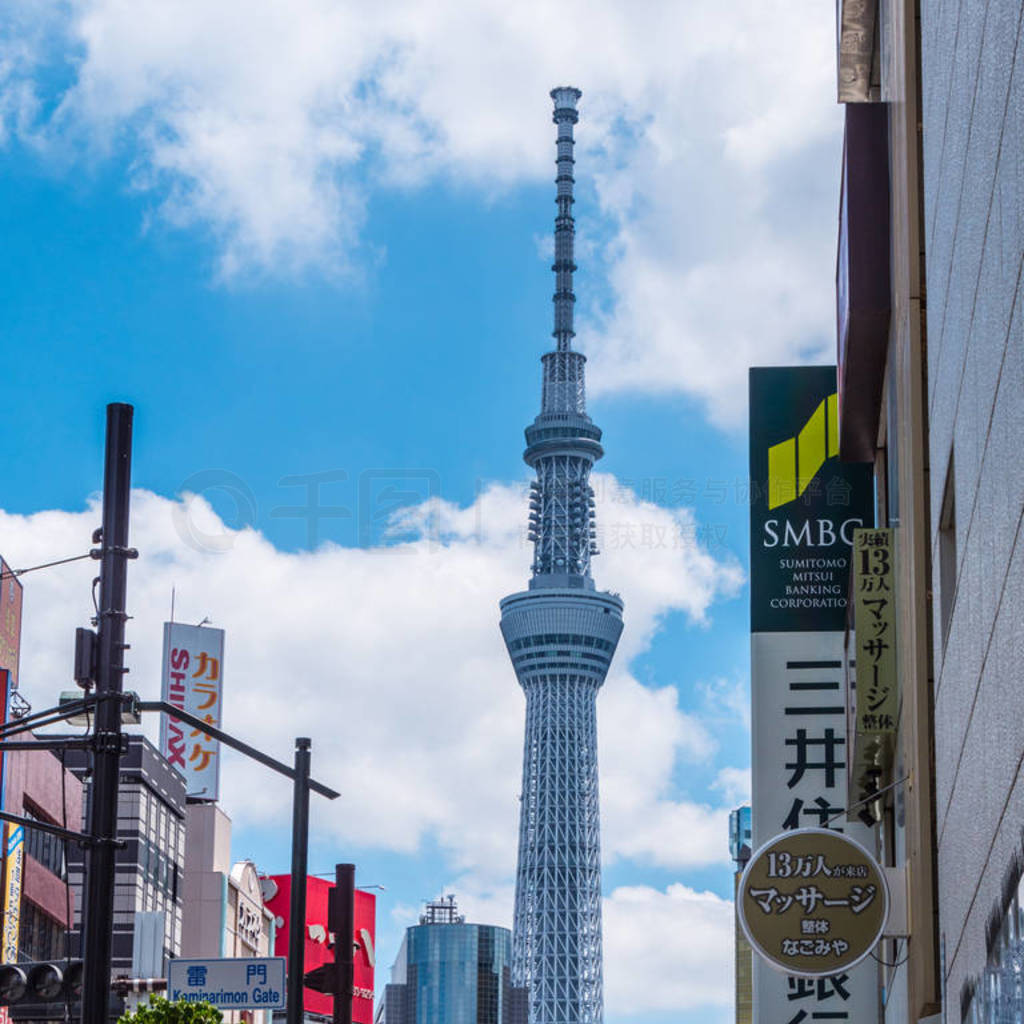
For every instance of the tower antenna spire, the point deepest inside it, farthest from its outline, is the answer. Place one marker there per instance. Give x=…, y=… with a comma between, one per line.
x=565, y=116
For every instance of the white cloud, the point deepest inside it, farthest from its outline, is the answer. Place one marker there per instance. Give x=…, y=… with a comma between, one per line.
x=670, y=950
x=390, y=658
x=734, y=785
x=403, y=915
x=710, y=132
x=727, y=701
x=483, y=903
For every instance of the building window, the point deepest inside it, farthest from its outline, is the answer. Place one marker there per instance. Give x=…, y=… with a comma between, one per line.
x=157, y=869
x=44, y=847
x=947, y=552
x=40, y=937
x=996, y=995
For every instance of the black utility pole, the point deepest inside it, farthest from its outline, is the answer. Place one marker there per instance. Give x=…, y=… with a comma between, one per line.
x=341, y=921
x=113, y=555
x=297, y=911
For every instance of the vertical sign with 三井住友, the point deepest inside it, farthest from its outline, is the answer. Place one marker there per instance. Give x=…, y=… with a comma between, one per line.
x=875, y=630
x=192, y=678
x=805, y=506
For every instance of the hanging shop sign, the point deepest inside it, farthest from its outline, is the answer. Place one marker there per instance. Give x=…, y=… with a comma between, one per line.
x=14, y=866
x=192, y=679
x=874, y=613
x=813, y=902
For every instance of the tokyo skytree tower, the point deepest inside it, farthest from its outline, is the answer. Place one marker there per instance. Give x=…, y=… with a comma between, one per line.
x=561, y=635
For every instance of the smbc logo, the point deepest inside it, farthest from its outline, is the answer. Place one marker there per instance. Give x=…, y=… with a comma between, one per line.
x=794, y=463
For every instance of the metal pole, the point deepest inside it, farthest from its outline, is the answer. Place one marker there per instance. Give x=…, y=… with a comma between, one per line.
x=98, y=908
x=231, y=741
x=297, y=912
x=344, y=927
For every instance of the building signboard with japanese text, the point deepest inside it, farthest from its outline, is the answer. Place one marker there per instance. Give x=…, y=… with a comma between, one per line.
x=874, y=609
x=805, y=506
x=10, y=646
x=10, y=621
x=192, y=679
x=11, y=844
x=812, y=902
x=11, y=595
x=14, y=864
x=235, y=983
x=6, y=689
x=319, y=940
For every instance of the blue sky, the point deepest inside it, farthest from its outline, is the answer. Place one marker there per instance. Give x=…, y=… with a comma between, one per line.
x=302, y=242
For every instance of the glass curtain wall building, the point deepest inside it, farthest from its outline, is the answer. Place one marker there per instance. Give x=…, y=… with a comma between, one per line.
x=740, y=840
x=450, y=972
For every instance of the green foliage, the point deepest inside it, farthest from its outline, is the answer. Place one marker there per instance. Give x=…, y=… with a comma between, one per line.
x=162, y=1011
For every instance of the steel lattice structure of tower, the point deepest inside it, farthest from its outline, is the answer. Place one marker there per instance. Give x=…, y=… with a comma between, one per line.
x=561, y=635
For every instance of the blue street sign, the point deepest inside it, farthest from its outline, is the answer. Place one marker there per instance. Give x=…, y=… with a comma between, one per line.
x=229, y=983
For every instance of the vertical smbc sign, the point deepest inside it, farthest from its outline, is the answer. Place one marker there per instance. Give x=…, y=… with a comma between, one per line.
x=805, y=505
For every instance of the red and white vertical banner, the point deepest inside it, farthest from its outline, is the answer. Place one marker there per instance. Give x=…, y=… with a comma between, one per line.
x=192, y=679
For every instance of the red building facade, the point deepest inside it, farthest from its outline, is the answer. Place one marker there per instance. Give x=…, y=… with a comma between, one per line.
x=34, y=788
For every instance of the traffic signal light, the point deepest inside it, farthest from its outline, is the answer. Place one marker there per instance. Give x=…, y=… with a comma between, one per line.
x=46, y=982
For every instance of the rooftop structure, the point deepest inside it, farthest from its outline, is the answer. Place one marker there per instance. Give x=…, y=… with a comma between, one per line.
x=442, y=911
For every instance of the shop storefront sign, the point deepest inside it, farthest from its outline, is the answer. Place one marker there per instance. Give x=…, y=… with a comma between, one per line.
x=813, y=902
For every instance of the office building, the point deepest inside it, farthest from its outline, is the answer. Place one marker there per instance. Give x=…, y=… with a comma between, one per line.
x=222, y=904
x=451, y=972
x=149, y=869
x=561, y=635
x=931, y=384
x=740, y=836
x=36, y=789
x=222, y=909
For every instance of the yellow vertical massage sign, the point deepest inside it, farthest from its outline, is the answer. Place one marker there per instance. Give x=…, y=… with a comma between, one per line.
x=874, y=607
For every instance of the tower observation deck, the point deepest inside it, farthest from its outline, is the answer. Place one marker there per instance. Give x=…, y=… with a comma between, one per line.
x=561, y=634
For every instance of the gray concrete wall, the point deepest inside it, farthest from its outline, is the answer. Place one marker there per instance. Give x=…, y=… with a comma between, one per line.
x=973, y=150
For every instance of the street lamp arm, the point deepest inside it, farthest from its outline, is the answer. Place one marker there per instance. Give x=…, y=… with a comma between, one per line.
x=227, y=738
x=55, y=830
x=50, y=716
